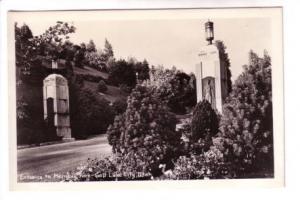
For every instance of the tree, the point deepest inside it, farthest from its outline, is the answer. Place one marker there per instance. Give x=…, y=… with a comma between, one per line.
x=49, y=44
x=32, y=50
x=79, y=56
x=246, y=128
x=98, y=60
x=91, y=47
x=145, y=133
x=141, y=69
x=23, y=36
x=108, y=50
x=175, y=87
x=122, y=72
x=68, y=51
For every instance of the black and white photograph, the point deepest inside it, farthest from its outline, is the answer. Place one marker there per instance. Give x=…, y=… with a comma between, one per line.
x=146, y=95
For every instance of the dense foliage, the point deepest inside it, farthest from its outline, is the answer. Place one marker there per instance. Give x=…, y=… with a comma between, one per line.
x=110, y=168
x=243, y=147
x=204, y=123
x=122, y=72
x=89, y=113
x=128, y=73
x=119, y=106
x=207, y=165
x=31, y=53
x=175, y=87
x=140, y=68
x=79, y=55
x=100, y=59
x=145, y=133
x=48, y=46
x=224, y=57
x=246, y=128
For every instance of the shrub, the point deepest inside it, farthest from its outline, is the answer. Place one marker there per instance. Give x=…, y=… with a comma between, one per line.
x=146, y=131
x=208, y=165
x=246, y=128
x=102, y=86
x=205, y=122
x=108, y=169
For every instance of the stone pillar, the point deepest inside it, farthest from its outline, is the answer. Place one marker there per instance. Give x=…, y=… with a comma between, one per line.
x=56, y=88
x=210, y=75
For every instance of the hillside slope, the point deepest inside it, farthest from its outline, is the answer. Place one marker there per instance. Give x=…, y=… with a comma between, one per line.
x=112, y=94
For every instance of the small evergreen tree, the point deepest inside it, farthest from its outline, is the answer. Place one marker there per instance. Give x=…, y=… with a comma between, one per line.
x=205, y=121
x=108, y=50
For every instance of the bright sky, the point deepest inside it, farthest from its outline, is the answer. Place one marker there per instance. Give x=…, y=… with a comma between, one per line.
x=168, y=42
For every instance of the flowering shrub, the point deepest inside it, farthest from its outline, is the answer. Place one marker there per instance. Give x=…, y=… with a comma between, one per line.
x=208, y=165
x=109, y=169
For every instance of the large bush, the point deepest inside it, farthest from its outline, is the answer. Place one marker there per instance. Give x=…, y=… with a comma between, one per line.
x=246, y=128
x=145, y=133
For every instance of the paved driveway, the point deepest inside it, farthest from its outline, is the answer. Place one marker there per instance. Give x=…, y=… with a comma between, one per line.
x=60, y=158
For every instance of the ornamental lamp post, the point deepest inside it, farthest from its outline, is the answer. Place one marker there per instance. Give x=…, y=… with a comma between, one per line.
x=209, y=32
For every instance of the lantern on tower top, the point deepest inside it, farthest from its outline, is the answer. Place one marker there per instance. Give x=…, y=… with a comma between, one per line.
x=209, y=31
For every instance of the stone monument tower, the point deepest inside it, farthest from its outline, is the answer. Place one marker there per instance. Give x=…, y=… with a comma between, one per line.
x=211, y=72
x=56, y=104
